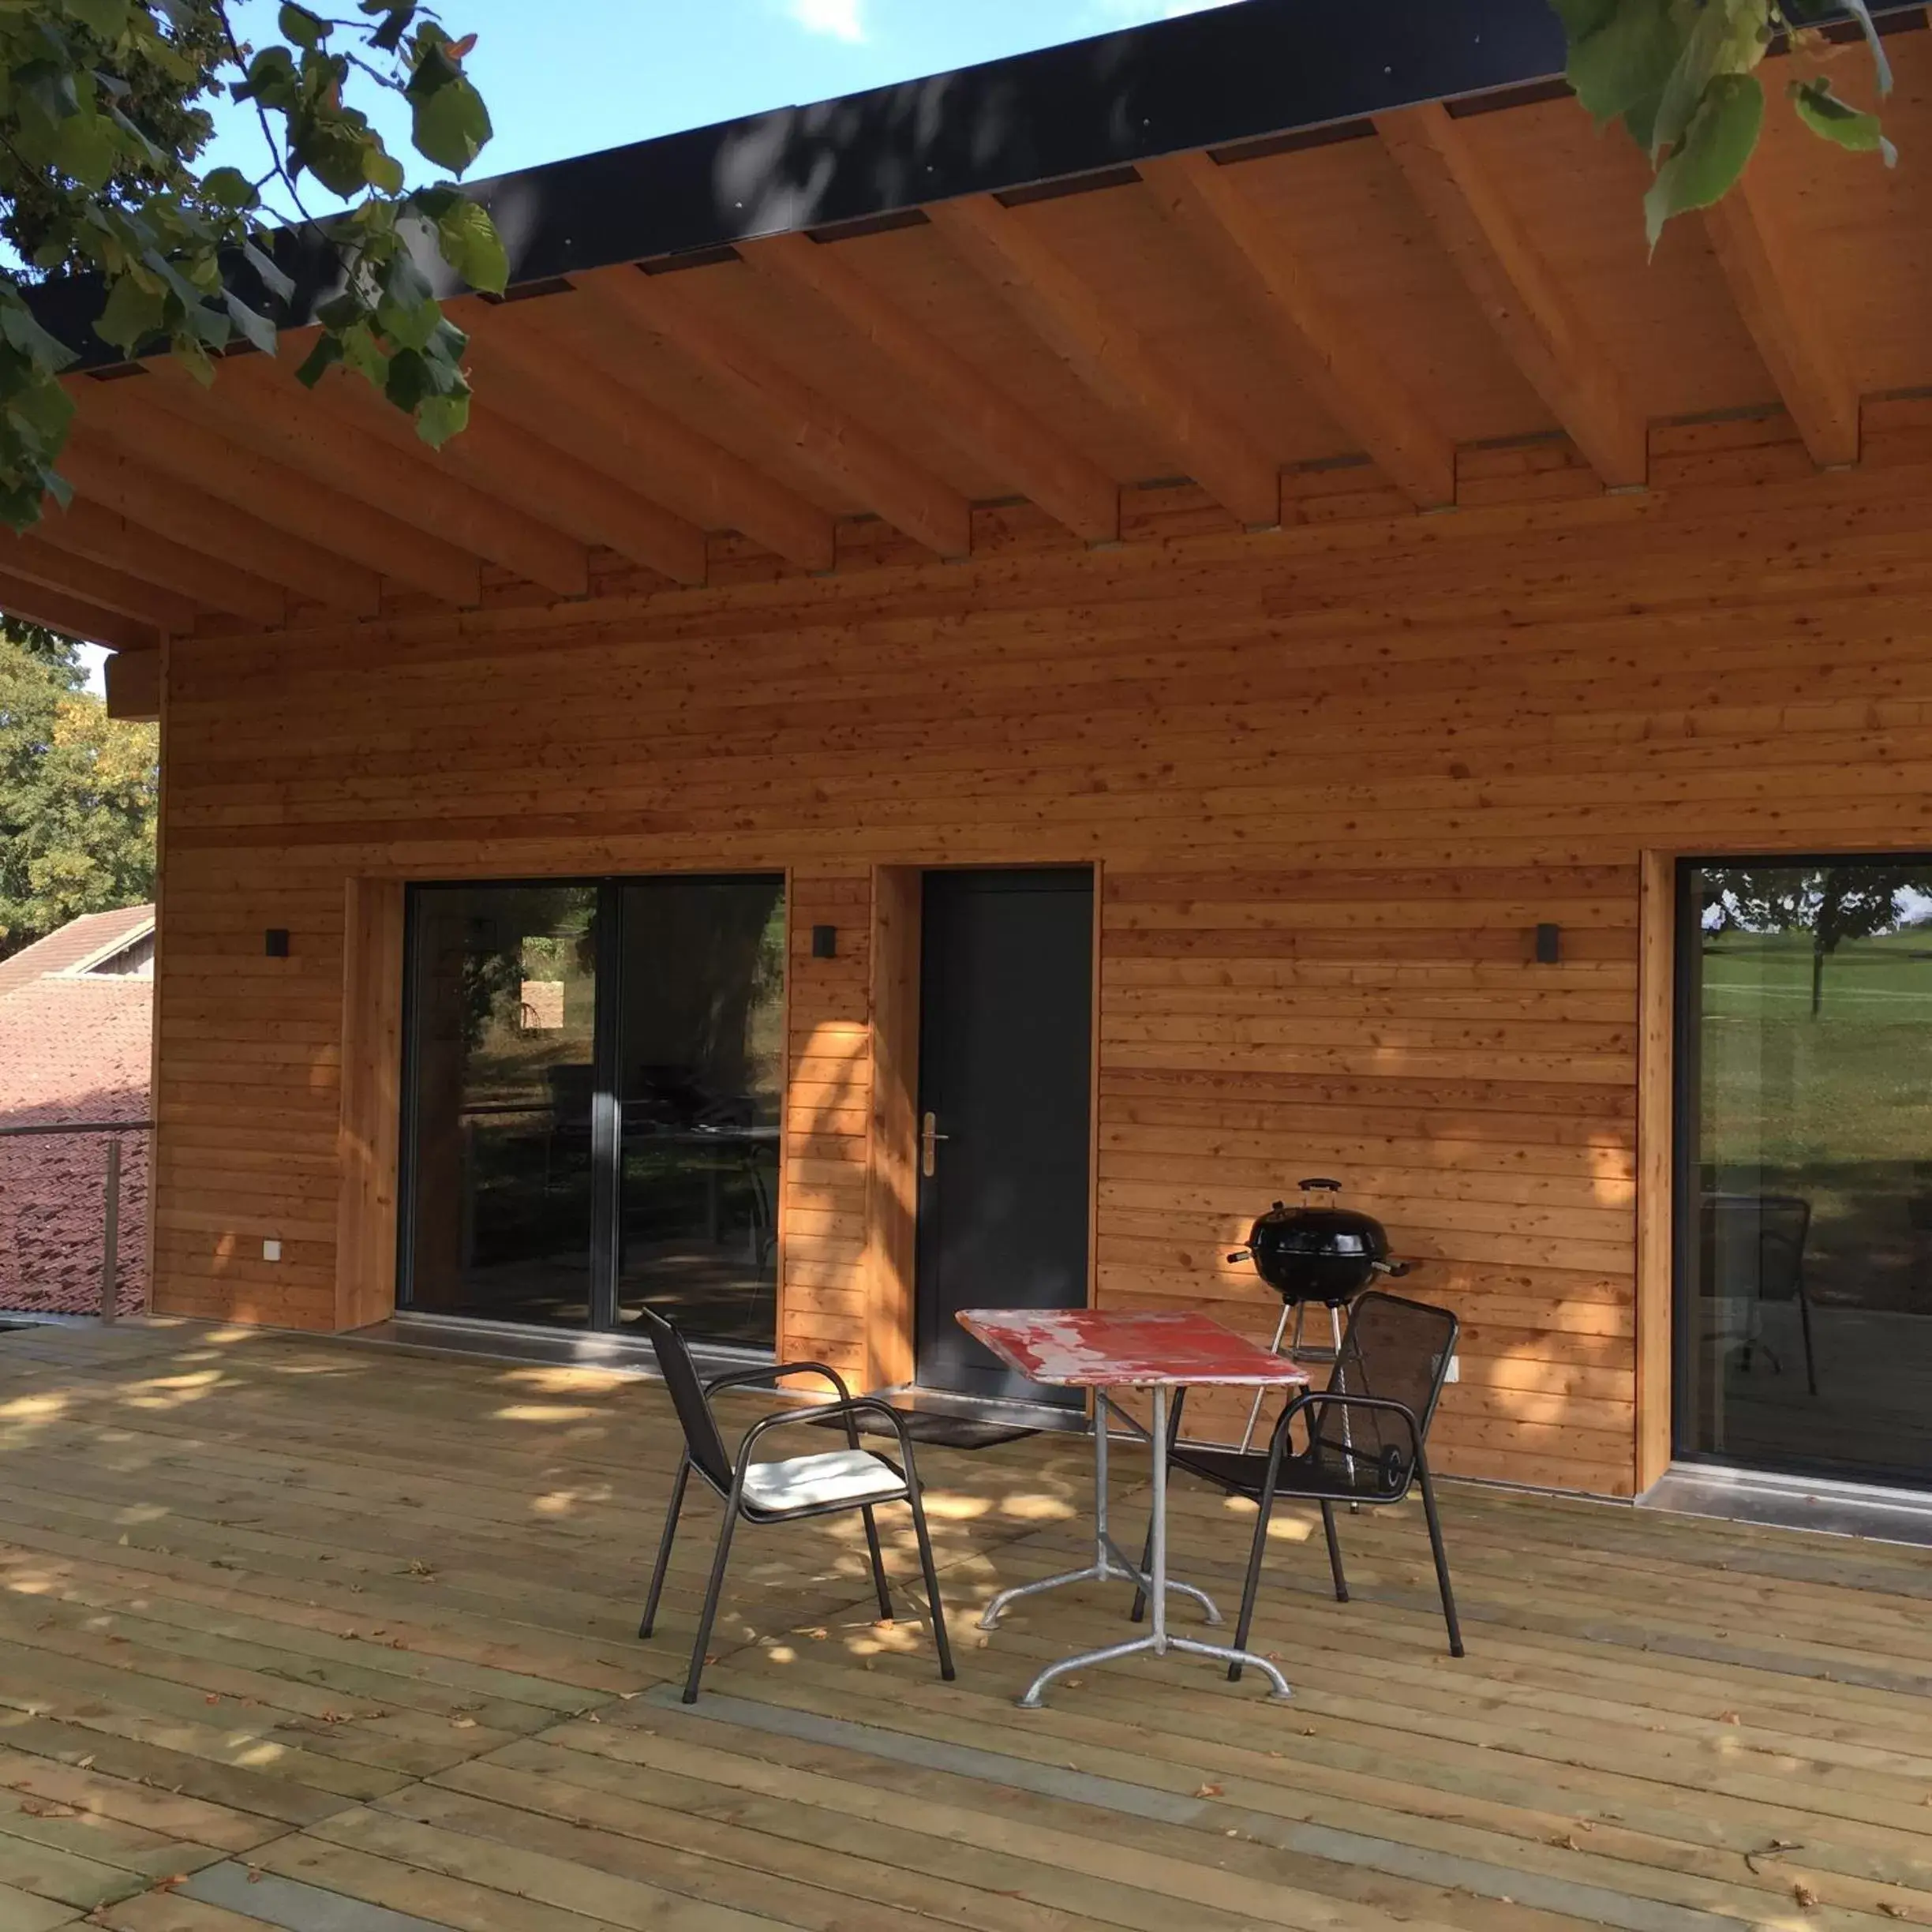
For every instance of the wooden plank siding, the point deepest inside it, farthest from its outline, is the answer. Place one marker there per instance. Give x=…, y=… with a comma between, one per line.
x=1335, y=774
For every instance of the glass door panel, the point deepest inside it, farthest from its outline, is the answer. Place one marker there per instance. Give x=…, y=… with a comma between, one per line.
x=1804, y=1308
x=503, y=1022
x=701, y=1060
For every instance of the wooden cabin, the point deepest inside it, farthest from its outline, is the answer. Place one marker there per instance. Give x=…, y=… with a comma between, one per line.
x=1010, y=666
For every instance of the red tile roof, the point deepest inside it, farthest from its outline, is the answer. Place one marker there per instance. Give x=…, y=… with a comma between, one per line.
x=72, y=1047
x=79, y=939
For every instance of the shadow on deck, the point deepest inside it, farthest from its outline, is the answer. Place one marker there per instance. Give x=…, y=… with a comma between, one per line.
x=321, y=1637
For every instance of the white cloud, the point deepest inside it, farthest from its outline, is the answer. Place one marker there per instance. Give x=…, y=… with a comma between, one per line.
x=1136, y=12
x=837, y=19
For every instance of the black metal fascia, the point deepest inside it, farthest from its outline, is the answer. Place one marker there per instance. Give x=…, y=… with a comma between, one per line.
x=1235, y=73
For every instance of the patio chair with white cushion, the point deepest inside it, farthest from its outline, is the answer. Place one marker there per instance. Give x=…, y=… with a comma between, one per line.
x=790, y=1490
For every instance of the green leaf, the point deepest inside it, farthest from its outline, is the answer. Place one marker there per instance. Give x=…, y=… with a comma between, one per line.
x=279, y=284
x=1624, y=60
x=256, y=328
x=132, y=314
x=229, y=188
x=107, y=18
x=451, y=125
x=319, y=360
x=1837, y=121
x=470, y=244
x=46, y=408
x=46, y=352
x=438, y=418
x=305, y=28
x=381, y=170
x=86, y=148
x=1707, y=162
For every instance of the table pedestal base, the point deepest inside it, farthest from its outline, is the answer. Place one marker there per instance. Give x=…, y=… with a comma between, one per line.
x=1110, y=1562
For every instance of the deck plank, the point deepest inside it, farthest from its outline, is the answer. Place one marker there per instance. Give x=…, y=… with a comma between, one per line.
x=292, y=1631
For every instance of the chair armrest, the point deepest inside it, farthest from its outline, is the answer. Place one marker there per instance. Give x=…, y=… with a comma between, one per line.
x=1315, y=1398
x=750, y=1378
x=851, y=1409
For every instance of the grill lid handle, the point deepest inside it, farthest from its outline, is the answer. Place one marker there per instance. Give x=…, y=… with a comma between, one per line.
x=1329, y=1187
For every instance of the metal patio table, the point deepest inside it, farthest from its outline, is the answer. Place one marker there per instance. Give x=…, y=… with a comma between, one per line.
x=1108, y=1353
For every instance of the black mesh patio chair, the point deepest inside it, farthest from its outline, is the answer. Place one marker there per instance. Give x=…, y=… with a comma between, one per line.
x=1753, y=1252
x=782, y=1491
x=1365, y=1433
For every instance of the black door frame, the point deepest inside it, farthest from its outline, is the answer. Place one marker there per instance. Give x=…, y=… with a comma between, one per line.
x=1686, y=1179
x=606, y=1109
x=1094, y=871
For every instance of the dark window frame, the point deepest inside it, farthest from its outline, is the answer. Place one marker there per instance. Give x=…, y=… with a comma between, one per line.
x=607, y=1052
x=1687, y=1183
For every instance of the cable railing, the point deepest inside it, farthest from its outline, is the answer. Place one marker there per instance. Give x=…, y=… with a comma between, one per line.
x=110, y=1204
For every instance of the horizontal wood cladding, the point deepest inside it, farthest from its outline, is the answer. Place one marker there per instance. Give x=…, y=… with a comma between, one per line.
x=1336, y=775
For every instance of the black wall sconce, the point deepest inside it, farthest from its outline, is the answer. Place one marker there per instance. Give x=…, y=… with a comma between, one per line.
x=1549, y=944
x=825, y=942
x=275, y=942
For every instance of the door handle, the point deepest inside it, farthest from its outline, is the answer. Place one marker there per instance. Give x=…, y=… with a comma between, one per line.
x=929, y=1136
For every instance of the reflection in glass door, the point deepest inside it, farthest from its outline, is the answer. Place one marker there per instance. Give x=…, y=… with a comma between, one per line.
x=501, y=1020
x=1804, y=1302
x=701, y=1033
x=595, y=1080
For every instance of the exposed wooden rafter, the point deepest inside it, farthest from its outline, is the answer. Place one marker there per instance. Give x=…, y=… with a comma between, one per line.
x=1327, y=354
x=505, y=460
x=259, y=404
x=570, y=365
x=261, y=562
x=58, y=610
x=84, y=576
x=40, y=563
x=818, y=431
x=190, y=517
x=1086, y=329
x=89, y=530
x=167, y=423
x=1062, y=481
x=1779, y=304
x=548, y=366
x=1546, y=333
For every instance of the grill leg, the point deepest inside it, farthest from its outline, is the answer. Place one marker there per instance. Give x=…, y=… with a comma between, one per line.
x=1254, y=1409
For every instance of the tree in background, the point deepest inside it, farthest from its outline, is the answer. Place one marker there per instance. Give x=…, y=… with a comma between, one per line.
x=78, y=791
x=103, y=116
x=1680, y=75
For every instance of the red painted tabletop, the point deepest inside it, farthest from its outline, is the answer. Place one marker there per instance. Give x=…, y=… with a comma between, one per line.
x=1100, y=1348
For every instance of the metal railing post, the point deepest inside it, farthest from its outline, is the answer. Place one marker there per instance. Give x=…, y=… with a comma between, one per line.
x=110, y=1234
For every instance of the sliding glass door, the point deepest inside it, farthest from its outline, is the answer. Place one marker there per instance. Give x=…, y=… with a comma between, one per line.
x=1804, y=1272
x=595, y=1074
x=701, y=1078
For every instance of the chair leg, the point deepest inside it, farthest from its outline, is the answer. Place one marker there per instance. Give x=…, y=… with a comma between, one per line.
x=1335, y=1553
x=713, y=1590
x=1146, y=1564
x=663, y=1547
x=1804, y=1316
x=932, y=1583
x=878, y=1564
x=1251, y=1586
x=1442, y=1560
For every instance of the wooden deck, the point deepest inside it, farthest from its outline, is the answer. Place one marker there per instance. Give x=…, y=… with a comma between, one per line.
x=301, y=1633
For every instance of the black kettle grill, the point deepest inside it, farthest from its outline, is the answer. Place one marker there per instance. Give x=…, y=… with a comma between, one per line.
x=1316, y=1252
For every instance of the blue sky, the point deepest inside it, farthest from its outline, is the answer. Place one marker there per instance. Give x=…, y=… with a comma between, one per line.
x=568, y=76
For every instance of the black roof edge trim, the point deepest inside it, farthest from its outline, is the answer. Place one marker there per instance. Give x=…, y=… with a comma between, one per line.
x=1230, y=75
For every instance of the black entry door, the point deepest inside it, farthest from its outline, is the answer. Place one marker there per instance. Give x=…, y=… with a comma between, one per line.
x=1006, y=1016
